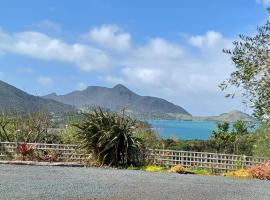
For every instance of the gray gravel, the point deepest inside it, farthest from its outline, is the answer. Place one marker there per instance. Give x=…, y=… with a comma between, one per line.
x=67, y=183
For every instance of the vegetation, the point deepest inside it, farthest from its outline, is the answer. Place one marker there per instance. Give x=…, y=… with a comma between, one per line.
x=110, y=138
x=261, y=171
x=177, y=169
x=241, y=173
x=261, y=146
x=250, y=56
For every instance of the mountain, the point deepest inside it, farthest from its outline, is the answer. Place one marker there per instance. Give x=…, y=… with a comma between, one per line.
x=227, y=117
x=13, y=99
x=120, y=97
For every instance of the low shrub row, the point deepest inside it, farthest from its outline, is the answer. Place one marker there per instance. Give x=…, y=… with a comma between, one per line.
x=260, y=171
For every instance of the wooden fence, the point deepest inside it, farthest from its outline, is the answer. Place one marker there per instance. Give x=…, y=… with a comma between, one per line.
x=66, y=152
x=213, y=161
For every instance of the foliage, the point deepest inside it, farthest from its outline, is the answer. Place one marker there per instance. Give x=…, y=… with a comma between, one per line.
x=149, y=137
x=7, y=128
x=261, y=171
x=68, y=135
x=235, y=141
x=109, y=137
x=251, y=58
x=25, y=150
x=261, y=146
x=131, y=167
x=241, y=173
x=200, y=171
x=177, y=169
x=153, y=168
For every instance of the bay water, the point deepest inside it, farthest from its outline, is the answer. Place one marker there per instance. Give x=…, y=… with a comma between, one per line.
x=183, y=129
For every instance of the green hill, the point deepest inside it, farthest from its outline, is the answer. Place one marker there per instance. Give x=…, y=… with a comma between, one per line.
x=13, y=99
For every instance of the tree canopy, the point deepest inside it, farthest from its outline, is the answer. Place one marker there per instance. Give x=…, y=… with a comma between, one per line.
x=251, y=57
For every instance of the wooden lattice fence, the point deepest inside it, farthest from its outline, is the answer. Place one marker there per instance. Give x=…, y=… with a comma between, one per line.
x=66, y=152
x=168, y=158
x=213, y=161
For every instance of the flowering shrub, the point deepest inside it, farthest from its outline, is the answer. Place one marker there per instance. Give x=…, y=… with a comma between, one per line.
x=25, y=150
x=177, y=169
x=241, y=173
x=261, y=171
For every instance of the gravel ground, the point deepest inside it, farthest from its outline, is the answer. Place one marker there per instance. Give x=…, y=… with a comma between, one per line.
x=71, y=183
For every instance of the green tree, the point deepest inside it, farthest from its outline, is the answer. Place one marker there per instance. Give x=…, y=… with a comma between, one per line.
x=251, y=57
x=7, y=128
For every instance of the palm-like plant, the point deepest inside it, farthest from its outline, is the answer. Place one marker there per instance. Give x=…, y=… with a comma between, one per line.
x=109, y=137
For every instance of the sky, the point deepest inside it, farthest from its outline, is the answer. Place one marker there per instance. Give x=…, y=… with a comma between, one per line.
x=168, y=49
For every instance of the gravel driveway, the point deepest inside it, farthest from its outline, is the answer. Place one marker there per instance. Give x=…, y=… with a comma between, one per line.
x=67, y=183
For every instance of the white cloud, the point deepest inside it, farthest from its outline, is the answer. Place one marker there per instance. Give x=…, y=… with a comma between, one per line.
x=41, y=46
x=182, y=75
x=45, y=81
x=110, y=36
x=209, y=40
x=264, y=2
x=81, y=86
x=187, y=74
x=49, y=25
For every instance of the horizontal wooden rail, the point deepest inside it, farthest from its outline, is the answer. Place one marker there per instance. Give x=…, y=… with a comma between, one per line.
x=168, y=158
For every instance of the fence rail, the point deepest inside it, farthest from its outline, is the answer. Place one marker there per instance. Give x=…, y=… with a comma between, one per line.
x=66, y=152
x=213, y=161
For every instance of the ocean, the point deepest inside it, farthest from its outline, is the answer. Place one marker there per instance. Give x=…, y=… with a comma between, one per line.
x=183, y=129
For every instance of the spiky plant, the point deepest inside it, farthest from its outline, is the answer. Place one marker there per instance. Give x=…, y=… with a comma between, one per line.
x=109, y=137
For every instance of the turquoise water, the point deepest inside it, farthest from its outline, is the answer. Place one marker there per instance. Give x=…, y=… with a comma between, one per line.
x=184, y=129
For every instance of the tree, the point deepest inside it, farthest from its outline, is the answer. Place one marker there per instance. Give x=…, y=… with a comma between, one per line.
x=7, y=128
x=33, y=128
x=251, y=57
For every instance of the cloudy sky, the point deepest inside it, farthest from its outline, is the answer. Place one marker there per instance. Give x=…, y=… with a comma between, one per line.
x=169, y=49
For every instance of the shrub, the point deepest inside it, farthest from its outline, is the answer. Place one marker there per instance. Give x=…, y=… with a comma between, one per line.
x=241, y=173
x=109, y=137
x=200, y=171
x=177, y=169
x=25, y=150
x=153, y=168
x=261, y=171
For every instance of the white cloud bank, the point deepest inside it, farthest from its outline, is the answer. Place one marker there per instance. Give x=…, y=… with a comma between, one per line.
x=182, y=73
x=110, y=36
x=41, y=46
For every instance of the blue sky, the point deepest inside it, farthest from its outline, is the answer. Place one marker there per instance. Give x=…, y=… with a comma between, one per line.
x=170, y=49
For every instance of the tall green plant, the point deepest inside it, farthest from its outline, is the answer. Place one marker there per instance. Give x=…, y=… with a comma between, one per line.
x=109, y=137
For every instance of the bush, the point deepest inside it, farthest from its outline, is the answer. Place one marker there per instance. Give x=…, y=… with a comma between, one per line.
x=241, y=173
x=153, y=168
x=200, y=171
x=262, y=141
x=25, y=150
x=177, y=169
x=109, y=137
x=261, y=171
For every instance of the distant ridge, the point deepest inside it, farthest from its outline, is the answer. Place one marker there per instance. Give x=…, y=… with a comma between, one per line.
x=13, y=99
x=231, y=116
x=120, y=97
